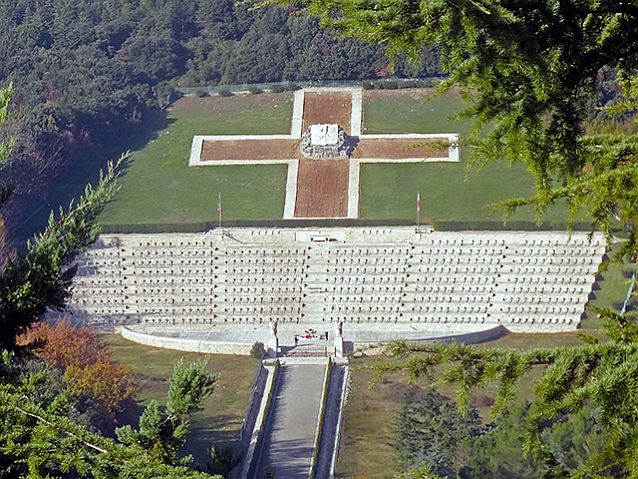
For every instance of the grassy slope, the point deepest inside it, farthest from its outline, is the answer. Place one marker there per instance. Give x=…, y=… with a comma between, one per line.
x=609, y=291
x=388, y=191
x=371, y=412
x=221, y=417
x=159, y=187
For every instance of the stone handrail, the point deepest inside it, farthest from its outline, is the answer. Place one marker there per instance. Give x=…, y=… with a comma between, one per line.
x=322, y=411
x=253, y=457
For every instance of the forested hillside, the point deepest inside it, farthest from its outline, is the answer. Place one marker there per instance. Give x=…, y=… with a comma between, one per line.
x=87, y=72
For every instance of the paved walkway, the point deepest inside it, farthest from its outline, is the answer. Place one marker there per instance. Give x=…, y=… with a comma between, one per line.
x=290, y=433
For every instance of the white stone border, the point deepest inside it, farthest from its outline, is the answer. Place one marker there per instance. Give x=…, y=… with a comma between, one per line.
x=337, y=438
x=297, y=114
x=353, y=189
x=185, y=344
x=453, y=150
x=356, y=116
x=406, y=160
x=336, y=89
x=291, y=190
x=198, y=145
x=295, y=134
x=259, y=420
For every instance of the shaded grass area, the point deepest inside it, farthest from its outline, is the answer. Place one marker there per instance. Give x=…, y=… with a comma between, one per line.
x=368, y=423
x=449, y=191
x=72, y=179
x=220, y=419
x=158, y=186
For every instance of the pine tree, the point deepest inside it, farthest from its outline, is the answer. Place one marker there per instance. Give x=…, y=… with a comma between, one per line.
x=162, y=434
x=6, y=145
x=38, y=439
x=41, y=278
x=529, y=71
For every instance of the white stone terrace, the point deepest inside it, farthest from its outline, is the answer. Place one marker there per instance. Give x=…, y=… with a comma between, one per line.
x=380, y=282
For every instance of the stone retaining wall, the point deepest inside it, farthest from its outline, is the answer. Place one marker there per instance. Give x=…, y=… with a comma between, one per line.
x=183, y=344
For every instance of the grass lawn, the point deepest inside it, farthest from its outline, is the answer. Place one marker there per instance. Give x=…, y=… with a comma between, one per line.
x=221, y=417
x=449, y=191
x=159, y=187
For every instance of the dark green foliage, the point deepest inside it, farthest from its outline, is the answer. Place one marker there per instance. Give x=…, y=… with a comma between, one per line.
x=38, y=438
x=225, y=92
x=253, y=90
x=431, y=430
x=222, y=460
x=572, y=439
x=257, y=351
x=277, y=89
x=497, y=452
x=6, y=146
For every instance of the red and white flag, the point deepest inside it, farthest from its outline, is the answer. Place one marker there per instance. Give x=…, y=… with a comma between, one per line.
x=219, y=205
x=418, y=204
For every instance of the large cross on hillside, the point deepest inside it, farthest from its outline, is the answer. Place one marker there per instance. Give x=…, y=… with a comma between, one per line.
x=329, y=187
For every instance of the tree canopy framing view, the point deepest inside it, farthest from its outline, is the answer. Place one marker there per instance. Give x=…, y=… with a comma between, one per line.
x=552, y=85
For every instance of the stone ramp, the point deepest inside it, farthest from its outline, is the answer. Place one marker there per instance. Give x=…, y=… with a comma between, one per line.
x=289, y=437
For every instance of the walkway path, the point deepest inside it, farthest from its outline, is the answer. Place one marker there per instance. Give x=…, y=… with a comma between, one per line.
x=290, y=434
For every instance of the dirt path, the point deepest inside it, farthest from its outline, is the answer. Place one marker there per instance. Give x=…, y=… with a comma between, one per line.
x=322, y=189
x=250, y=150
x=327, y=107
x=401, y=148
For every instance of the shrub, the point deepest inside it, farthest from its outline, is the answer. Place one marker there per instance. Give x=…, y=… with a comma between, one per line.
x=201, y=93
x=258, y=350
x=379, y=85
x=292, y=87
x=225, y=92
x=277, y=88
x=223, y=460
x=254, y=90
x=84, y=360
x=367, y=85
x=391, y=85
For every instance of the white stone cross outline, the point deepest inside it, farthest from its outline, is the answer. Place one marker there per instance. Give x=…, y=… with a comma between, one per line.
x=356, y=118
